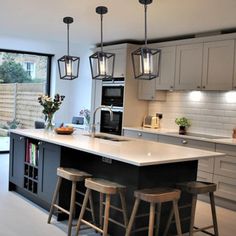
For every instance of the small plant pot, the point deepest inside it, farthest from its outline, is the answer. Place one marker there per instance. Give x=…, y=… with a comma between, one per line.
x=182, y=130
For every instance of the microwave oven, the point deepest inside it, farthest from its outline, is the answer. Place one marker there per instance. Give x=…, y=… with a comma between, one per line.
x=112, y=94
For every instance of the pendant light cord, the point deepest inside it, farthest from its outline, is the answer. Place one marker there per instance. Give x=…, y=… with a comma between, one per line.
x=101, y=32
x=68, y=35
x=145, y=20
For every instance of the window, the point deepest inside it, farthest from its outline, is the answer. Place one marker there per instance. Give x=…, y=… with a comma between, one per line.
x=30, y=68
x=23, y=76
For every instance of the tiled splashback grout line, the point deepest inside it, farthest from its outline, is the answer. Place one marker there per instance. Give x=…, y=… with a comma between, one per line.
x=210, y=112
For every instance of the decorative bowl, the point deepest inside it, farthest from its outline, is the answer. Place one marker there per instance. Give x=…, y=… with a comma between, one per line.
x=64, y=130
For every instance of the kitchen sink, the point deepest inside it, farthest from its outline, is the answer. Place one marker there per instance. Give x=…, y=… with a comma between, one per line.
x=110, y=138
x=207, y=136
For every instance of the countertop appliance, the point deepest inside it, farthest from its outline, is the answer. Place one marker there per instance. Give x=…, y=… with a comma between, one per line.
x=151, y=122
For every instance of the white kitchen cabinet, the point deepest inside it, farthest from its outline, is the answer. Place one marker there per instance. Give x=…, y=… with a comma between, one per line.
x=188, y=70
x=205, y=165
x=204, y=176
x=147, y=91
x=120, y=62
x=218, y=65
x=166, y=78
x=226, y=187
x=140, y=135
x=226, y=166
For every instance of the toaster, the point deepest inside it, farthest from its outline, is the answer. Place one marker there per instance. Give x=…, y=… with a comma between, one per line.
x=151, y=122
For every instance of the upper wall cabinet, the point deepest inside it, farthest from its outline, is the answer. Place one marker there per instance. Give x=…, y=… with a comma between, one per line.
x=188, y=70
x=166, y=79
x=120, y=61
x=218, y=65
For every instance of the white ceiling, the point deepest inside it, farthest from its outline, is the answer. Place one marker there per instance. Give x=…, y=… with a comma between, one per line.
x=125, y=19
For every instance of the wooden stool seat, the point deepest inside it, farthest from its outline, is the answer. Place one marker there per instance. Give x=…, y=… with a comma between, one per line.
x=194, y=188
x=158, y=194
x=103, y=186
x=197, y=187
x=155, y=196
x=107, y=188
x=74, y=176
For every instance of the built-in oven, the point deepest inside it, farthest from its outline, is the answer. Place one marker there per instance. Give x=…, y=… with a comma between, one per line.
x=114, y=126
x=113, y=92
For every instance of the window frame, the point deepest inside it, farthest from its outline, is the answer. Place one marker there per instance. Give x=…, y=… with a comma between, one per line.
x=49, y=64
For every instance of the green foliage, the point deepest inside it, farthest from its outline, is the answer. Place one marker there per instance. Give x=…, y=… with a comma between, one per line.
x=12, y=72
x=183, y=121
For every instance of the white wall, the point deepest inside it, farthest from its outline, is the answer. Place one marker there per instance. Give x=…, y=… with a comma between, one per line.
x=77, y=92
x=209, y=112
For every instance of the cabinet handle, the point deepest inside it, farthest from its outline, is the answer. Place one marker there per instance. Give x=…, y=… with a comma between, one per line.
x=198, y=87
x=184, y=141
x=171, y=87
x=203, y=87
x=139, y=134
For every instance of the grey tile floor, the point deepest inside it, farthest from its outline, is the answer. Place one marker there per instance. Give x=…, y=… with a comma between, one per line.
x=20, y=217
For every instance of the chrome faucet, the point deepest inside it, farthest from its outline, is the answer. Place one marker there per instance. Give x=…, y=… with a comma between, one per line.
x=93, y=128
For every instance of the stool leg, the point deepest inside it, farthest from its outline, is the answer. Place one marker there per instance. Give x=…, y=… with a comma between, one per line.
x=168, y=222
x=54, y=199
x=177, y=219
x=92, y=207
x=100, y=208
x=72, y=206
x=151, y=219
x=106, y=214
x=124, y=209
x=193, y=210
x=133, y=214
x=88, y=191
x=158, y=219
x=213, y=211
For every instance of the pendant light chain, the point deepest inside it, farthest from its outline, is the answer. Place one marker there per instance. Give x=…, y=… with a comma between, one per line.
x=145, y=20
x=68, y=36
x=101, y=32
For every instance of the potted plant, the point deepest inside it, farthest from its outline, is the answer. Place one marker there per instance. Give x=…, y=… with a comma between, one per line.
x=183, y=123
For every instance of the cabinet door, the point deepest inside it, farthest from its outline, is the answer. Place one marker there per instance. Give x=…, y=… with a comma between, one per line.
x=167, y=69
x=226, y=187
x=218, y=65
x=141, y=135
x=204, y=176
x=49, y=160
x=204, y=164
x=189, y=66
x=120, y=62
x=146, y=89
x=17, y=158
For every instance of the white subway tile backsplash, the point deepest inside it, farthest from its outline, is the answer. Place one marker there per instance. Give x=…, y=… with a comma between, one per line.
x=211, y=112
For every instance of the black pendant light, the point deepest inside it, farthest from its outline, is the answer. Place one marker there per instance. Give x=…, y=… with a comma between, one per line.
x=102, y=63
x=68, y=65
x=146, y=61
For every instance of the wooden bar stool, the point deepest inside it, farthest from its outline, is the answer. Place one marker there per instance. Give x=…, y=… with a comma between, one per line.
x=107, y=188
x=155, y=196
x=194, y=188
x=74, y=176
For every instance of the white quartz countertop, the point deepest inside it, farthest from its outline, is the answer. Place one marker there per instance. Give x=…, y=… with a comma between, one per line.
x=131, y=151
x=174, y=133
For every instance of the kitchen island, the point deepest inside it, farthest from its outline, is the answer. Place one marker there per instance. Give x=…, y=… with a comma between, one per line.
x=35, y=155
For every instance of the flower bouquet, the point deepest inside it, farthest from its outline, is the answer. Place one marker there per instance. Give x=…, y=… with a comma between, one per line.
x=50, y=106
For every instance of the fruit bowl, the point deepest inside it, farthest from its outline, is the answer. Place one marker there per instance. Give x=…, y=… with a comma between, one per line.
x=64, y=130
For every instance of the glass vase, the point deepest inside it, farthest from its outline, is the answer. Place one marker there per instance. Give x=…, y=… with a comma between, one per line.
x=49, y=125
